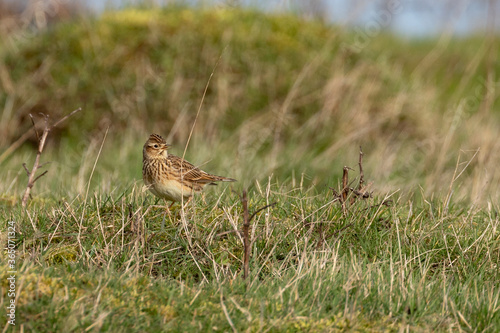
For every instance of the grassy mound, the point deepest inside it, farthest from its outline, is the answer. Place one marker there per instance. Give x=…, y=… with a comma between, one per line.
x=296, y=94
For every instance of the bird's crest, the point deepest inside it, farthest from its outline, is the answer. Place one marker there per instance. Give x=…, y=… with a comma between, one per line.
x=158, y=138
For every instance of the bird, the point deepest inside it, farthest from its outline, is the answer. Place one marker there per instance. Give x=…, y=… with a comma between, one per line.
x=171, y=177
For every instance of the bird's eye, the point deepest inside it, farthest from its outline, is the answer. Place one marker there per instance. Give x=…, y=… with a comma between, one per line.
x=156, y=146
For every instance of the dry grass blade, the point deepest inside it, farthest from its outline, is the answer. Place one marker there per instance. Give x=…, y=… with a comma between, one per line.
x=196, y=118
x=88, y=188
x=246, y=231
x=15, y=145
x=226, y=313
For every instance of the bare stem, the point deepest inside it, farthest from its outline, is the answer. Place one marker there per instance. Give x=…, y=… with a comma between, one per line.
x=65, y=117
x=246, y=235
x=259, y=210
x=32, y=178
x=345, y=188
x=361, y=173
x=36, y=165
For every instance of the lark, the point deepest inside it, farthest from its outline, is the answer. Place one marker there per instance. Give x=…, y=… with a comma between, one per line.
x=170, y=177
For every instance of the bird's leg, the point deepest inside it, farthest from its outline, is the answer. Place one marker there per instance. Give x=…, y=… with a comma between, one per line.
x=164, y=216
x=187, y=202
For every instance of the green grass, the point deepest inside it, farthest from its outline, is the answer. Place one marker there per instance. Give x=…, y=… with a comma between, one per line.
x=108, y=263
x=288, y=105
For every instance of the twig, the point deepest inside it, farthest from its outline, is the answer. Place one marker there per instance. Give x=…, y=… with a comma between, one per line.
x=246, y=236
x=360, y=193
x=31, y=174
x=361, y=174
x=261, y=209
x=345, y=188
x=250, y=219
x=364, y=195
x=65, y=117
x=32, y=178
x=34, y=127
x=228, y=232
x=246, y=231
x=40, y=176
x=25, y=168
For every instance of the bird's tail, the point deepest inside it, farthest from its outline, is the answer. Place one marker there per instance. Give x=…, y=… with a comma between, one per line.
x=221, y=179
x=225, y=179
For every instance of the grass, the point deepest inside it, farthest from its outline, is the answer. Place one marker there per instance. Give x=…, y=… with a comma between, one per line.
x=287, y=107
x=108, y=264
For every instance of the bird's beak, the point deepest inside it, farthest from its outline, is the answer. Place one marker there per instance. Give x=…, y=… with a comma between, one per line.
x=166, y=146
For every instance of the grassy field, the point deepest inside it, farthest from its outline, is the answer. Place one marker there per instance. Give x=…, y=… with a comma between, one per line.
x=281, y=104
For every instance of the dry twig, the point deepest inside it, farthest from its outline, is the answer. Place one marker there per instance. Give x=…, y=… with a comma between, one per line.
x=345, y=188
x=360, y=193
x=361, y=173
x=32, y=178
x=246, y=231
x=246, y=235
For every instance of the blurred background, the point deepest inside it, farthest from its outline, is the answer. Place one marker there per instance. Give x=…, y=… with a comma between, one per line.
x=295, y=88
x=410, y=18
x=413, y=18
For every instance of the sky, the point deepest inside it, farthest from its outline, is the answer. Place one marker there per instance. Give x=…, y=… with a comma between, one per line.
x=409, y=18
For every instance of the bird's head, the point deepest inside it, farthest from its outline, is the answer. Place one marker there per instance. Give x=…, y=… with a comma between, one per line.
x=155, y=147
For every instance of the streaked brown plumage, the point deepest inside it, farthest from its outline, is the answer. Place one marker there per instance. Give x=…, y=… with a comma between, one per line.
x=171, y=177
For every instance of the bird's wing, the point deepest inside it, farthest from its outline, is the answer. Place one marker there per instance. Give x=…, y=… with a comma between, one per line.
x=189, y=172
